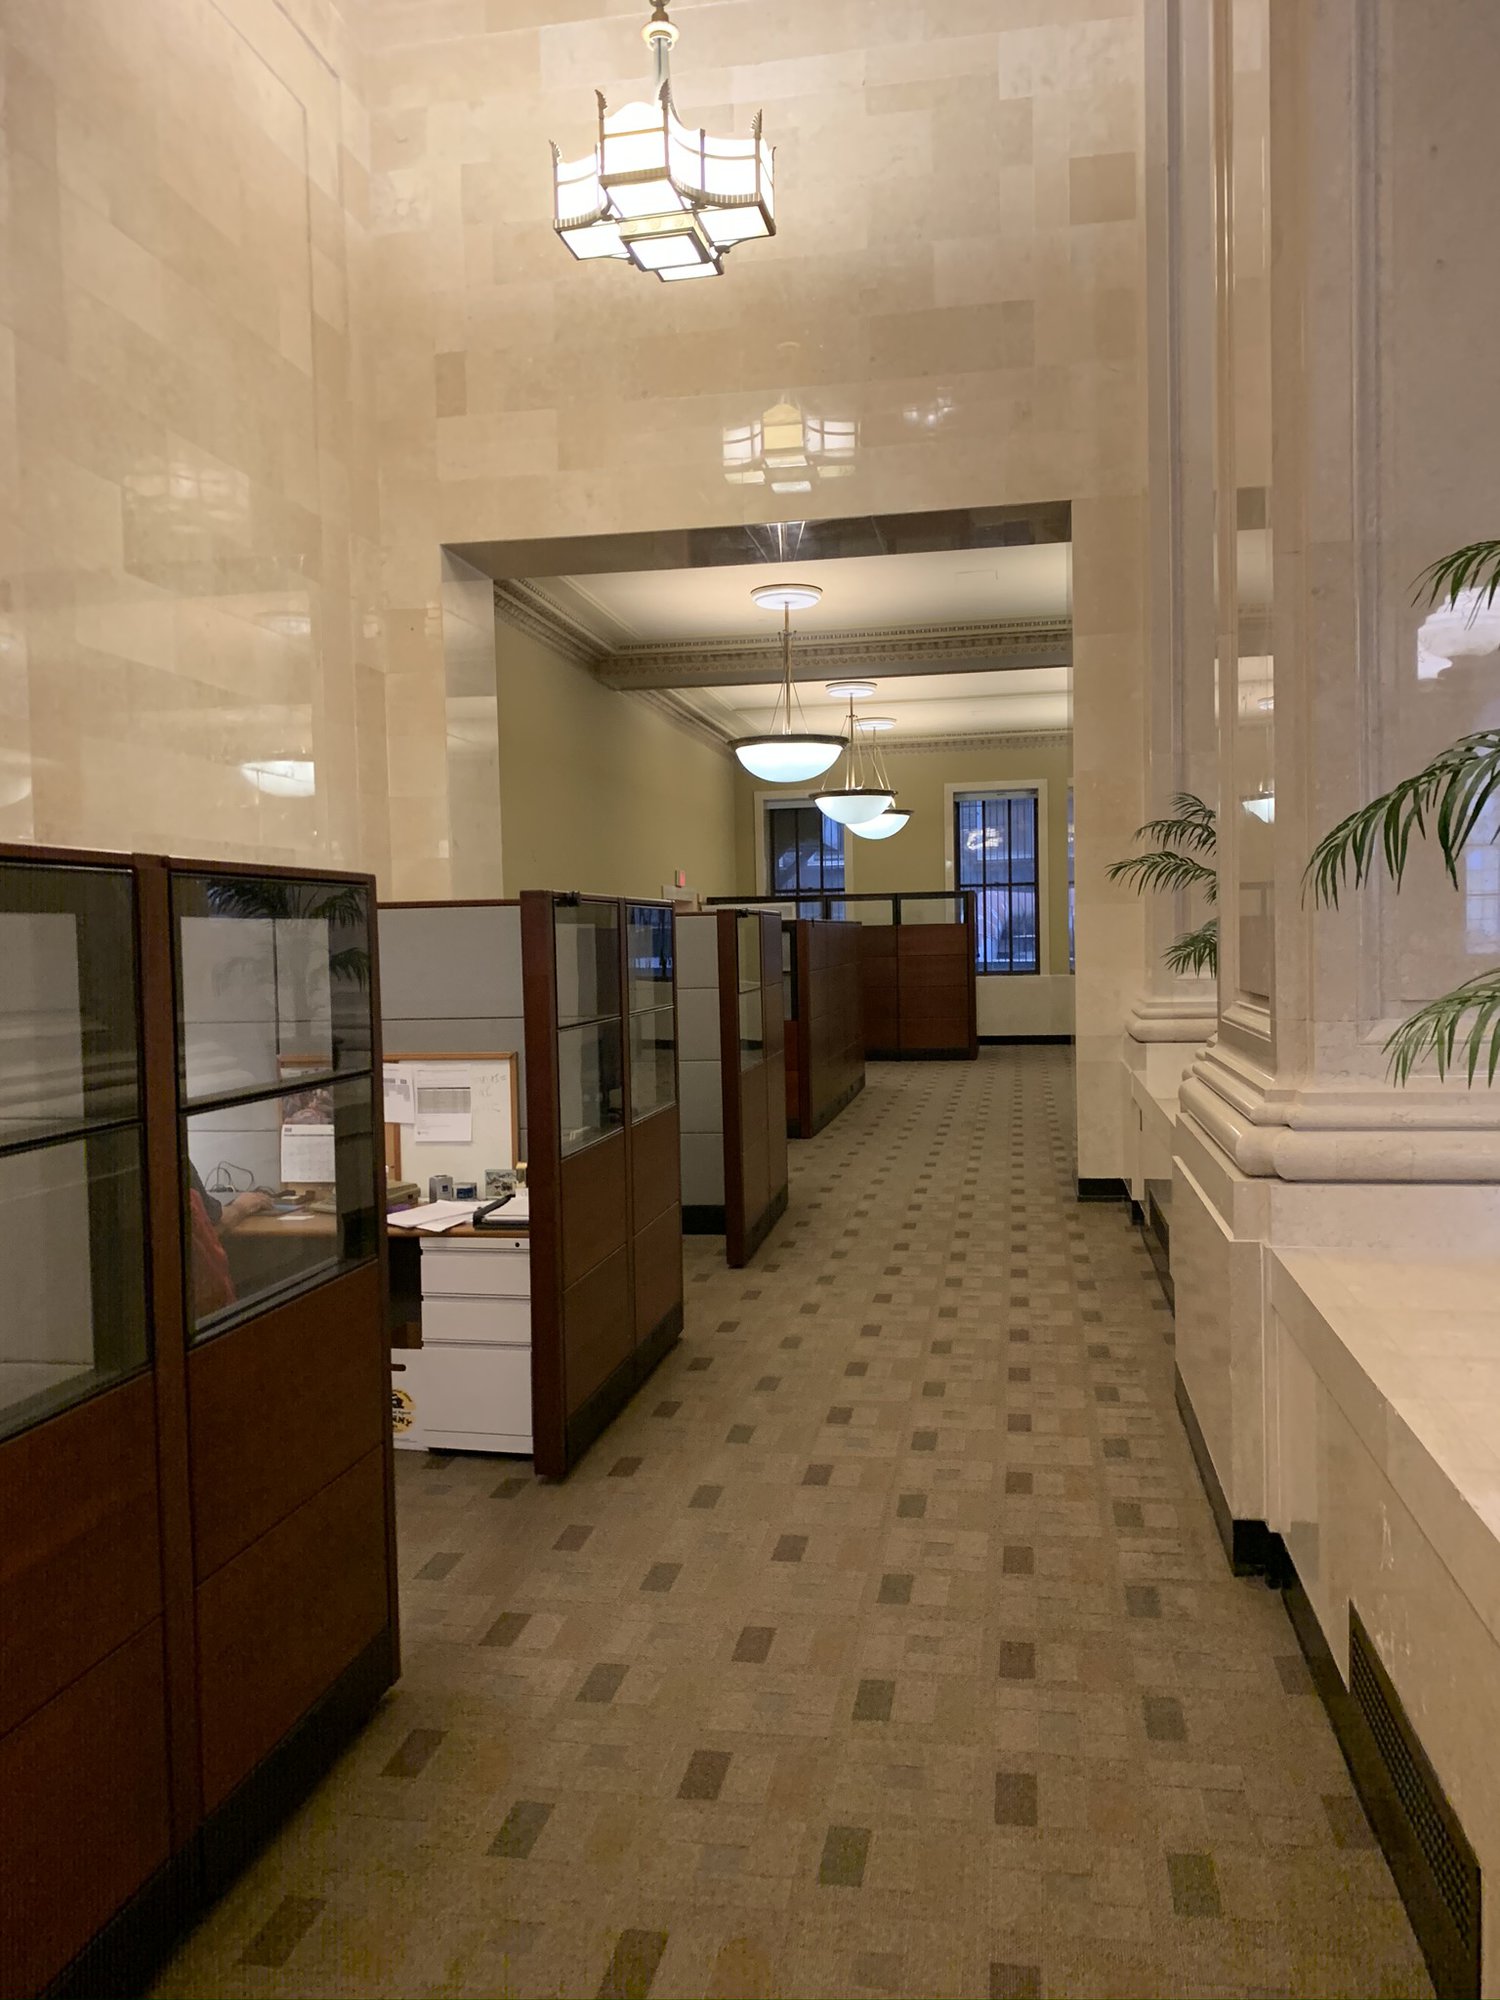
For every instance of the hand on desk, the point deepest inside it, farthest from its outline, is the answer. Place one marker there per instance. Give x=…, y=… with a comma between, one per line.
x=239, y=1209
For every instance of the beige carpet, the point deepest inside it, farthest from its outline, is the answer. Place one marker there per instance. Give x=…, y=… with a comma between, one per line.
x=884, y=1646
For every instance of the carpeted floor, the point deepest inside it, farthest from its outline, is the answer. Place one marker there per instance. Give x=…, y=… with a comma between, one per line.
x=884, y=1646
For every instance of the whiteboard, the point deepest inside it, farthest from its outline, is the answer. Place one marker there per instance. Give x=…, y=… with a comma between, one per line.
x=494, y=1088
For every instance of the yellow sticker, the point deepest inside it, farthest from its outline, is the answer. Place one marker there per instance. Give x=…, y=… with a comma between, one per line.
x=403, y=1411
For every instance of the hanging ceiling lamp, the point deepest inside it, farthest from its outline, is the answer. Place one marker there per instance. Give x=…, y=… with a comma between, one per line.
x=884, y=824
x=668, y=199
x=860, y=796
x=789, y=753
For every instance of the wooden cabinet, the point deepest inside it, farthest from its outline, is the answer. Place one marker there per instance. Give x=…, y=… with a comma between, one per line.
x=197, y=1592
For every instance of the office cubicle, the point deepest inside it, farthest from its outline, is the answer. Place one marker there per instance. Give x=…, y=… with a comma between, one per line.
x=733, y=1070
x=583, y=989
x=825, y=1048
x=917, y=969
x=199, y=1599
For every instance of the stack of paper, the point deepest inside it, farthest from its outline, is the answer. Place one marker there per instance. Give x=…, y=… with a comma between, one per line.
x=434, y=1216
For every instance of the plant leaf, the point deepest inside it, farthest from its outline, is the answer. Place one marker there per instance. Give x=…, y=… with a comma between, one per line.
x=1162, y=869
x=1476, y=566
x=1195, y=951
x=1434, y=1030
x=1446, y=796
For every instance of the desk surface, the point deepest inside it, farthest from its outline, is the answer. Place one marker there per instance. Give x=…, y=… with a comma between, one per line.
x=465, y=1232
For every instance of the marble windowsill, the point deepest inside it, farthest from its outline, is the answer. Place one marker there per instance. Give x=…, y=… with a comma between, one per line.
x=1410, y=1351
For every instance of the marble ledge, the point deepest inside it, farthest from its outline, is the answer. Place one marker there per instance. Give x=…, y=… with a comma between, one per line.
x=1409, y=1350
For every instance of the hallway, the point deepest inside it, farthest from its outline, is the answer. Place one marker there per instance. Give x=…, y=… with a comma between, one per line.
x=885, y=1646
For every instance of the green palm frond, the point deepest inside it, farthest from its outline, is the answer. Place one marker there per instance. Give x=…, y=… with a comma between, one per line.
x=1190, y=824
x=1473, y=567
x=1162, y=869
x=1195, y=951
x=1434, y=1030
x=1446, y=797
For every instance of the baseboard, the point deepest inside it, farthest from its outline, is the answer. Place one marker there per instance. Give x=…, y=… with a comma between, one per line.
x=829, y=1112
x=1158, y=1240
x=963, y=1054
x=1109, y=1187
x=121, y=1961
x=594, y=1417
x=236, y=1831
x=1025, y=1041
x=1452, y=1958
x=765, y=1222
x=1251, y=1548
x=703, y=1218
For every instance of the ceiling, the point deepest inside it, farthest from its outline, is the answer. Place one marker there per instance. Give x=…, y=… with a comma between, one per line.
x=860, y=594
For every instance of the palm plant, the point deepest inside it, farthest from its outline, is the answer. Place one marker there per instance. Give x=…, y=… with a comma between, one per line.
x=1175, y=860
x=1446, y=798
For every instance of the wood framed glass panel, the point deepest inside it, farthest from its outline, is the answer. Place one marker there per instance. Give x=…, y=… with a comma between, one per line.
x=275, y=1044
x=649, y=947
x=72, y=1206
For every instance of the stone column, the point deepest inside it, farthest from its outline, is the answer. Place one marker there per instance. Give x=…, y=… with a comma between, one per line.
x=1362, y=133
x=1173, y=1016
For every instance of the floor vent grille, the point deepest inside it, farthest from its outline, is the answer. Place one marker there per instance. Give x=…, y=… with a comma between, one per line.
x=1430, y=1855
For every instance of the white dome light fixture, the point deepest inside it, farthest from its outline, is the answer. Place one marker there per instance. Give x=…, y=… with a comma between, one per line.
x=860, y=796
x=789, y=753
x=884, y=824
x=657, y=194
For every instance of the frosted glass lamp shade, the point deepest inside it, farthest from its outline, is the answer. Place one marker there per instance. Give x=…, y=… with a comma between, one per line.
x=883, y=825
x=852, y=808
x=788, y=760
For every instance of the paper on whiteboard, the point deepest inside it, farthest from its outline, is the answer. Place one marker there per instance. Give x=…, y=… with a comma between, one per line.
x=444, y=1107
x=307, y=1154
x=400, y=1099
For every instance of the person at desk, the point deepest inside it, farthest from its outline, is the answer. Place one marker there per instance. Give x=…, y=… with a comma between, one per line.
x=212, y=1220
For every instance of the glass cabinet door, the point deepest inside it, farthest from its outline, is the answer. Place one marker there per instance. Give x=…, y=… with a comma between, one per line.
x=590, y=1047
x=274, y=1088
x=72, y=1206
x=650, y=936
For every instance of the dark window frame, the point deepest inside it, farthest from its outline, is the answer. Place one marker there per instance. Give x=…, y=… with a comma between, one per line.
x=829, y=832
x=1001, y=877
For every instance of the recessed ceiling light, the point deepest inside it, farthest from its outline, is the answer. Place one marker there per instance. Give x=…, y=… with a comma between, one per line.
x=786, y=596
x=850, y=690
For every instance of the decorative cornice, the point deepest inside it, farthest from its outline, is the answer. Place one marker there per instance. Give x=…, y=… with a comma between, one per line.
x=994, y=739
x=529, y=608
x=892, y=651
x=683, y=716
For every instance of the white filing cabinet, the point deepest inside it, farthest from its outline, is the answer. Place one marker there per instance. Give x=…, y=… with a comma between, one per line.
x=468, y=1386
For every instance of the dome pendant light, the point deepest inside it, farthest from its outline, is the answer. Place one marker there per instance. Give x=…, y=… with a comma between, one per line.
x=884, y=824
x=787, y=754
x=859, y=797
x=658, y=195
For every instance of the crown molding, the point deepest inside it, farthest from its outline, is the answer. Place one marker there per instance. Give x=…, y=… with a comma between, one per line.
x=892, y=649
x=990, y=739
x=529, y=608
x=683, y=716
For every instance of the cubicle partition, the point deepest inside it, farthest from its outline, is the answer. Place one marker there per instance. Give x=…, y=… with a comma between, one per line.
x=825, y=1050
x=604, y=1159
x=917, y=969
x=583, y=990
x=197, y=1586
x=733, y=1076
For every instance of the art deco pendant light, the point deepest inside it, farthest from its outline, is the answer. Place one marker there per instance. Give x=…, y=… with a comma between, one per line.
x=883, y=825
x=789, y=753
x=657, y=194
x=858, y=796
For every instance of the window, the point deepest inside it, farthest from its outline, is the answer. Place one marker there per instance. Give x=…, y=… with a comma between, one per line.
x=805, y=852
x=995, y=849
